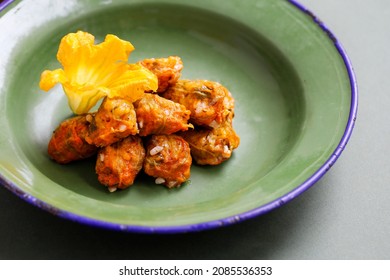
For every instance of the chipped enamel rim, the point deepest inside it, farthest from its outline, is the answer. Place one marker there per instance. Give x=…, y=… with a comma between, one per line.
x=232, y=219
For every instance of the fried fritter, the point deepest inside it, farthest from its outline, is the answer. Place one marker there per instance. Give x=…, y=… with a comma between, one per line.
x=212, y=146
x=167, y=70
x=157, y=115
x=114, y=120
x=210, y=103
x=168, y=159
x=68, y=143
x=118, y=164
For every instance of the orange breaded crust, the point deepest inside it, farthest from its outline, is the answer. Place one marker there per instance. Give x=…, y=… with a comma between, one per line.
x=157, y=115
x=210, y=103
x=68, y=141
x=117, y=165
x=114, y=120
x=168, y=159
x=212, y=146
x=168, y=70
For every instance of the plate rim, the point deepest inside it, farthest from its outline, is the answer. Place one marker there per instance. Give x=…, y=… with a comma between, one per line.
x=4, y=4
x=315, y=177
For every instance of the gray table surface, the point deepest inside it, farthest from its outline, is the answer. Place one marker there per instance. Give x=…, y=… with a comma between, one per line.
x=346, y=215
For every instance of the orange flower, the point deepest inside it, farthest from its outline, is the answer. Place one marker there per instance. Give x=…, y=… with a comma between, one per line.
x=91, y=72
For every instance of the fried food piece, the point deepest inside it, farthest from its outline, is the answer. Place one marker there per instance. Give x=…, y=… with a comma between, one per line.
x=68, y=143
x=114, y=120
x=168, y=159
x=157, y=115
x=212, y=146
x=117, y=165
x=210, y=103
x=167, y=70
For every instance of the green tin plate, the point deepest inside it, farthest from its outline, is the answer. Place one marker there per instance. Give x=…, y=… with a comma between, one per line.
x=296, y=102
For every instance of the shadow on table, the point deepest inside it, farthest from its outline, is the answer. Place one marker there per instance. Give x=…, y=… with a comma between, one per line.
x=30, y=233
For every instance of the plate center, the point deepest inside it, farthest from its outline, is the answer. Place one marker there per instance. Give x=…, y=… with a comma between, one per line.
x=268, y=94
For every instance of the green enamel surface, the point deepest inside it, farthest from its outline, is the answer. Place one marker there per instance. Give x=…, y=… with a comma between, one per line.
x=290, y=84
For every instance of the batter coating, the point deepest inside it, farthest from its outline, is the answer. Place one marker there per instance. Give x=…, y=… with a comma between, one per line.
x=157, y=115
x=117, y=165
x=167, y=70
x=168, y=159
x=212, y=146
x=210, y=103
x=68, y=143
x=114, y=120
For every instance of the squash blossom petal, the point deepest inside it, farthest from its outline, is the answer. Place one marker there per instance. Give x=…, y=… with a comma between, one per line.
x=91, y=72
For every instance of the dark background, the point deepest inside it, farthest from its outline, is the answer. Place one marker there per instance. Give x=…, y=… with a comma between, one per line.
x=28, y=232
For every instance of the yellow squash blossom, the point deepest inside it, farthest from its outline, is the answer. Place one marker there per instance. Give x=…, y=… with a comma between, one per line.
x=91, y=71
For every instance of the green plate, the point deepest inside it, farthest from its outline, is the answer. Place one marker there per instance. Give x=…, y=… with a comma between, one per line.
x=295, y=92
